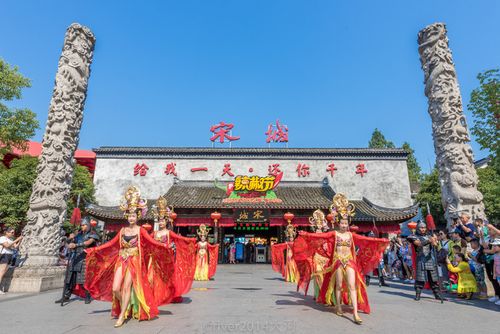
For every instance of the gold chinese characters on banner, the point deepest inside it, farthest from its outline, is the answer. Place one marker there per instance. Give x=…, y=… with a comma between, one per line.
x=254, y=183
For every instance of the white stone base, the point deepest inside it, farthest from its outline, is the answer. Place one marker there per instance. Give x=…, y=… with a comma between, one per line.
x=34, y=279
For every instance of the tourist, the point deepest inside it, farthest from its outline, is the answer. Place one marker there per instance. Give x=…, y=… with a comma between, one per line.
x=426, y=261
x=467, y=284
x=466, y=228
x=232, y=253
x=183, y=248
x=343, y=274
x=491, y=248
x=442, y=255
x=119, y=271
x=405, y=255
x=7, y=246
x=75, y=270
x=456, y=240
x=476, y=262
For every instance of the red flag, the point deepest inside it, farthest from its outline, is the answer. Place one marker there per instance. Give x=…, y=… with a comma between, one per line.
x=76, y=217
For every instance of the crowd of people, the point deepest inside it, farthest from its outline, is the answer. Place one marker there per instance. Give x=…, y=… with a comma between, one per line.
x=467, y=255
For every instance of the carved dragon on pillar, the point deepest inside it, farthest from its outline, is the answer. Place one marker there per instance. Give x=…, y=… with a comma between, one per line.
x=454, y=157
x=47, y=210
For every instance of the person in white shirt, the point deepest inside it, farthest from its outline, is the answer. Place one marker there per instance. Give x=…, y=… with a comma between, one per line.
x=7, y=246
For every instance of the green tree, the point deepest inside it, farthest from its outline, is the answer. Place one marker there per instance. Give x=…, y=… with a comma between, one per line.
x=378, y=140
x=489, y=186
x=430, y=192
x=16, y=185
x=16, y=125
x=485, y=107
x=414, y=170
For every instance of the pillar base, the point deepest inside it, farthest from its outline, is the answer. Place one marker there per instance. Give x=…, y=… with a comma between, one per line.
x=34, y=279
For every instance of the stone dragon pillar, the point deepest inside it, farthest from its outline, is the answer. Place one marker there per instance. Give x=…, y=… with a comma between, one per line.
x=454, y=157
x=51, y=190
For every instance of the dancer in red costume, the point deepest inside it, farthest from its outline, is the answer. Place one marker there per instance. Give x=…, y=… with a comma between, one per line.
x=184, y=248
x=207, y=256
x=282, y=257
x=343, y=276
x=118, y=271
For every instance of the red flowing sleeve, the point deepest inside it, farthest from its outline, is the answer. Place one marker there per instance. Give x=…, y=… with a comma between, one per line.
x=158, y=268
x=304, y=248
x=278, y=258
x=213, y=257
x=369, y=253
x=99, y=274
x=185, y=262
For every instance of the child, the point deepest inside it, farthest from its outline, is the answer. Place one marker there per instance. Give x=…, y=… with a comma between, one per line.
x=467, y=284
x=476, y=263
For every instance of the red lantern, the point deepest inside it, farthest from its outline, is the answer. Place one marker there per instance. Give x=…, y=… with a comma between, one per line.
x=147, y=227
x=354, y=228
x=288, y=217
x=215, y=216
x=412, y=225
x=172, y=215
x=93, y=223
x=329, y=217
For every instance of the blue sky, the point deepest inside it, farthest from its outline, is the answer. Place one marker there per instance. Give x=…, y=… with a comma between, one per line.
x=165, y=71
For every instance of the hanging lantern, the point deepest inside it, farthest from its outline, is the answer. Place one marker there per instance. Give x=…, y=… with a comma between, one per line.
x=147, y=227
x=93, y=223
x=354, y=228
x=329, y=217
x=412, y=226
x=172, y=215
x=215, y=216
x=288, y=217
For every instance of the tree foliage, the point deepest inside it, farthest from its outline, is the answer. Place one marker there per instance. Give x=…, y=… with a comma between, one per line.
x=430, y=193
x=378, y=141
x=16, y=125
x=485, y=107
x=414, y=170
x=489, y=186
x=16, y=185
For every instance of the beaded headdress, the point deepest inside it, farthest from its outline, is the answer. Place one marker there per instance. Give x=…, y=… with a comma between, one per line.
x=161, y=210
x=203, y=231
x=318, y=221
x=341, y=208
x=132, y=202
x=290, y=232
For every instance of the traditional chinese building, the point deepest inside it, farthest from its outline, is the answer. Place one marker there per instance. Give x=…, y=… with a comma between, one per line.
x=195, y=182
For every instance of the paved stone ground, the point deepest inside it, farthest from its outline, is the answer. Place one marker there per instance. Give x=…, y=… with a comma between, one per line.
x=253, y=299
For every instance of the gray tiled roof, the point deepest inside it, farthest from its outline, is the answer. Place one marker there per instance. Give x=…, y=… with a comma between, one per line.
x=210, y=152
x=188, y=195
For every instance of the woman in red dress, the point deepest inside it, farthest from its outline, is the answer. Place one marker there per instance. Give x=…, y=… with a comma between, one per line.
x=184, y=248
x=351, y=258
x=282, y=256
x=119, y=270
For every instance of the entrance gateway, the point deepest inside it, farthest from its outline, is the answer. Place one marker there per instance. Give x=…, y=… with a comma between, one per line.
x=198, y=182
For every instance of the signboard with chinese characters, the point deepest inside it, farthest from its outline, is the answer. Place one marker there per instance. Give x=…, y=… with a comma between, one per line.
x=253, y=189
x=251, y=215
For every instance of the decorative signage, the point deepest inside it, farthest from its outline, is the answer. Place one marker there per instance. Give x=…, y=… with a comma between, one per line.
x=251, y=215
x=253, y=189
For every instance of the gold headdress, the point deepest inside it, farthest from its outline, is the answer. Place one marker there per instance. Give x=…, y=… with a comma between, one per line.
x=203, y=231
x=318, y=221
x=161, y=210
x=341, y=208
x=132, y=202
x=290, y=232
